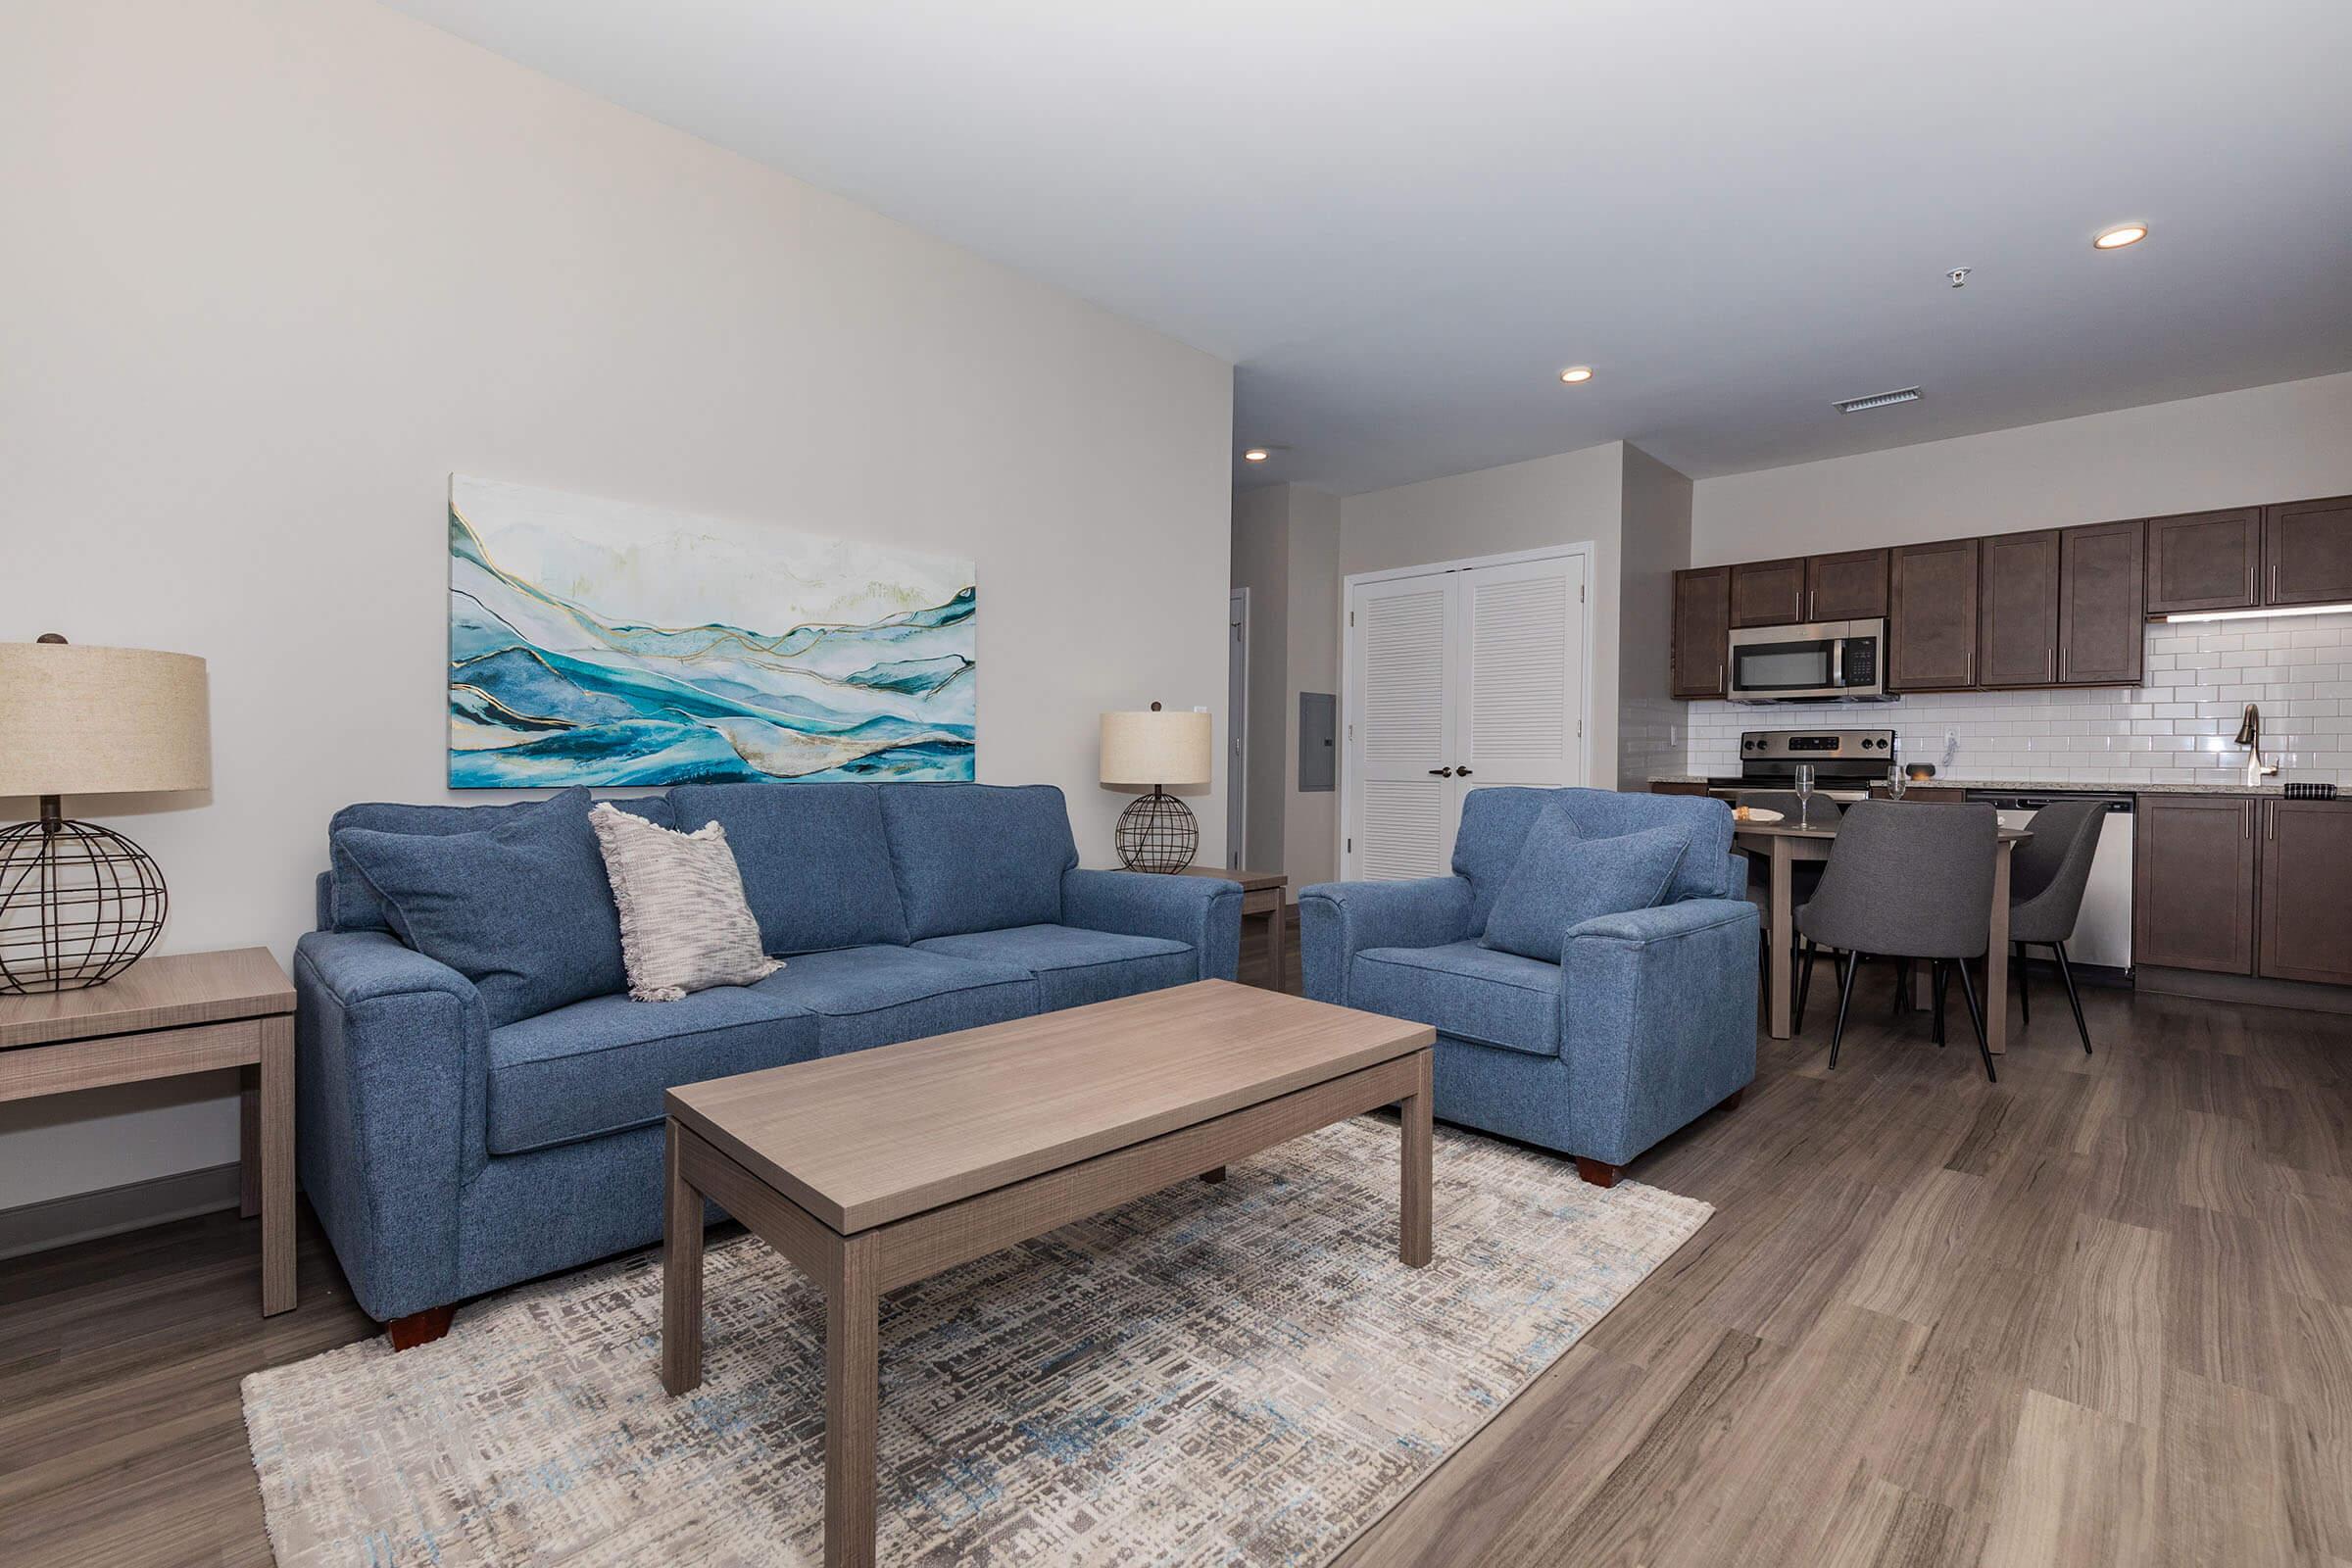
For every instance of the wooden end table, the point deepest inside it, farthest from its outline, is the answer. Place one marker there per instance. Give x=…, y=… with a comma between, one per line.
x=1265, y=893
x=180, y=1013
x=882, y=1167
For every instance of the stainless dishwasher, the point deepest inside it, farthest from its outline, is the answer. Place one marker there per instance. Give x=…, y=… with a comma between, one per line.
x=2103, y=935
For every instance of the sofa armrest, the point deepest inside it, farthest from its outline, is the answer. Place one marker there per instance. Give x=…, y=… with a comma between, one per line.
x=392, y=1066
x=1737, y=886
x=1658, y=1020
x=1337, y=920
x=1202, y=912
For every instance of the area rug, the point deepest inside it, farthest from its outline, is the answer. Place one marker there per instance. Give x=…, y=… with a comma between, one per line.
x=1232, y=1373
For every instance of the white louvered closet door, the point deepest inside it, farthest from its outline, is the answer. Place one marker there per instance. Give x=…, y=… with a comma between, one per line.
x=1402, y=806
x=1520, y=712
x=1459, y=678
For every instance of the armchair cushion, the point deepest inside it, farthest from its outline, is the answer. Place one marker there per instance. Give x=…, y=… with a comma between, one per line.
x=1467, y=990
x=1074, y=966
x=521, y=909
x=1564, y=878
x=599, y=1066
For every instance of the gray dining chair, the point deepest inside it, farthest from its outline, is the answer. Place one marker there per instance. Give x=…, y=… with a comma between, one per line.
x=2047, y=874
x=1907, y=880
x=1805, y=875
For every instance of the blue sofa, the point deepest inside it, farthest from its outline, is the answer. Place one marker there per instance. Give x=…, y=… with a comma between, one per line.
x=447, y=1157
x=1649, y=1022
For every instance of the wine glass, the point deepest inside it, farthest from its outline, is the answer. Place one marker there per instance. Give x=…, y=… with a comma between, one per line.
x=1804, y=794
x=1897, y=779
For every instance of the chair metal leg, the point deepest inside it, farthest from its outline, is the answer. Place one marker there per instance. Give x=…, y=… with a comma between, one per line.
x=1804, y=986
x=2025, y=997
x=2073, y=997
x=1845, y=999
x=1975, y=1015
x=1940, y=983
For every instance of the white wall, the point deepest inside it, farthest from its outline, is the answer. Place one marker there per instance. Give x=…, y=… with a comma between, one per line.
x=1657, y=544
x=2233, y=449
x=1563, y=500
x=1261, y=557
x=279, y=267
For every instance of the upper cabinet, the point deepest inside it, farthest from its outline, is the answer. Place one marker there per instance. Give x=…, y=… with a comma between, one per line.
x=1849, y=586
x=1702, y=623
x=2017, y=611
x=1769, y=593
x=2306, y=552
x=1932, y=616
x=2205, y=561
x=2102, y=618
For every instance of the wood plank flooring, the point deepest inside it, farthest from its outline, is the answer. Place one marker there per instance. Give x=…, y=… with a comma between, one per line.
x=2099, y=1313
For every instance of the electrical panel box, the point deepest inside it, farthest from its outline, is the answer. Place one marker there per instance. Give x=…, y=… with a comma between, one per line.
x=1318, y=743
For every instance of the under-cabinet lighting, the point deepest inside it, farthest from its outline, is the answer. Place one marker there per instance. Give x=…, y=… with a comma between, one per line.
x=2271, y=613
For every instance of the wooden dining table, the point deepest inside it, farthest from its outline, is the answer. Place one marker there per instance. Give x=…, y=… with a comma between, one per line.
x=1781, y=845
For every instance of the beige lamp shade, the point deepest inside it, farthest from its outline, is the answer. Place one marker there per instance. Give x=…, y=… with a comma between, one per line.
x=1155, y=748
x=78, y=720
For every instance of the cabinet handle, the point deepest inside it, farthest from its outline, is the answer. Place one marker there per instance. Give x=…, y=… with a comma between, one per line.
x=2049, y=664
x=1719, y=686
x=2274, y=583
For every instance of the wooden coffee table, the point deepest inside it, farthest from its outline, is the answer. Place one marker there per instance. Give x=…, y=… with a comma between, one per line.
x=874, y=1170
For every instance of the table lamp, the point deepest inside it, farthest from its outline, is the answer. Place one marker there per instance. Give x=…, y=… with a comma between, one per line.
x=80, y=902
x=1157, y=832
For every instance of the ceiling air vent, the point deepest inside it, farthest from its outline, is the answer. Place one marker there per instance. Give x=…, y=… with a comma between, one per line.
x=1879, y=400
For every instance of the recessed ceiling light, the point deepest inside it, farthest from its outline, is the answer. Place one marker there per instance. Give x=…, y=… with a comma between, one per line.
x=1256, y=455
x=2120, y=235
x=1576, y=372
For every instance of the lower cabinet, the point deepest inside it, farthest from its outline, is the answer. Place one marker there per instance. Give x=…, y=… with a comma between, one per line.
x=2192, y=895
x=2306, y=872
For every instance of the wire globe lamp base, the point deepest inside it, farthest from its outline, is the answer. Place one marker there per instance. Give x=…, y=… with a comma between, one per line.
x=79, y=904
x=1157, y=832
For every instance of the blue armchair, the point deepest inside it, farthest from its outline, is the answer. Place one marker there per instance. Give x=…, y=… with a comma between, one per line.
x=1648, y=1021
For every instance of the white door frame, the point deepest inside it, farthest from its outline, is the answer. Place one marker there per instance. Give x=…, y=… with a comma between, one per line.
x=1349, y=696
x=1237, y=742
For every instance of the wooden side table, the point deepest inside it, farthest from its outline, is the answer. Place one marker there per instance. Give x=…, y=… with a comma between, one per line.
x=161, y=1017
x=1265, y=893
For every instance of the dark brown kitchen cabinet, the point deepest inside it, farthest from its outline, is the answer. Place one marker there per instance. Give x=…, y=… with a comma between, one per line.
x=1767, y=593
x=2205, y=561
x=2017, y=609
x=1851, y=585
x=2192, y=893
x=1702, y=625
x=2306, y=552
x=1932, y=616
x=2306, y=867
x=2102, y=617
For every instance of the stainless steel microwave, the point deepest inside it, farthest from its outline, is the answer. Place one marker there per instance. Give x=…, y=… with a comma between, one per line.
x=1823, y=661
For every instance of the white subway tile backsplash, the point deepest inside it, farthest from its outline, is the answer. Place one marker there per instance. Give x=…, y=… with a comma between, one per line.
x=2181, y=725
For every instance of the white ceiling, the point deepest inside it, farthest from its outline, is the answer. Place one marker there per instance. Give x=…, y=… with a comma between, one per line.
x=1401, y=220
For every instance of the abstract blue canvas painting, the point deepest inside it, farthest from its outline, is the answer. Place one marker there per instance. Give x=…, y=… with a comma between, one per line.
x=600, y=642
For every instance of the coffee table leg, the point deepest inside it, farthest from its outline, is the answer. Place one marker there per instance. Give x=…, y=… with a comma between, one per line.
x=852, y=1394
x=682, y=1275
x=1413, y=1245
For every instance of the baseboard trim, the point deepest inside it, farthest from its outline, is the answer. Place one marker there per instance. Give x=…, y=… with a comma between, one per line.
x=111, y=1210
x=2253, y=990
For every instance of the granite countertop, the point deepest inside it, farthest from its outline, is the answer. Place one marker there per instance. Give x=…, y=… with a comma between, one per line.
x=2028, y=786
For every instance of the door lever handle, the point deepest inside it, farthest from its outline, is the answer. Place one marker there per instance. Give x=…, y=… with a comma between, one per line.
x=1440, y=773
x=1463, y=772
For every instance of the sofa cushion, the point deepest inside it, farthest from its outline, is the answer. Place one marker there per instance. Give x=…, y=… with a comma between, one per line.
x=1076, y=967
x=977, y=856
x=877, y=996
x=1564, y=879
x=349, y=904
x=599, y=1066
x=814, y=859
x=1472, y=993
x=1495, y=820
x=521, y=909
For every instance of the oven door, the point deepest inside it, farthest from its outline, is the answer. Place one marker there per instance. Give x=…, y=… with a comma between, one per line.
x=1782, y=663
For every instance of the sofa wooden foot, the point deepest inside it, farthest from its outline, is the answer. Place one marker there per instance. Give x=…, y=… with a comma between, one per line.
x=1599, y=1172
x=418, y=1328
x=1212, y=1177
x=1731, y=1101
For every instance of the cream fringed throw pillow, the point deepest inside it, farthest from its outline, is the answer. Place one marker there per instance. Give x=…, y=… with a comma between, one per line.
x=684, y=925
